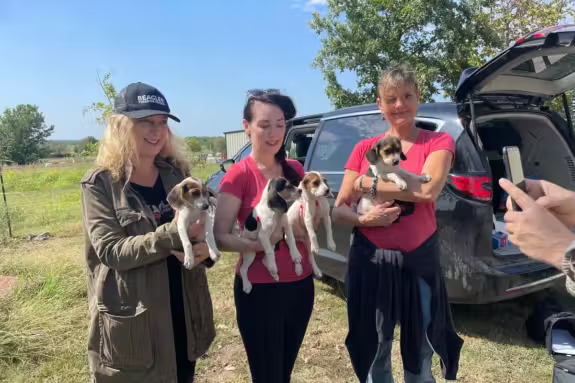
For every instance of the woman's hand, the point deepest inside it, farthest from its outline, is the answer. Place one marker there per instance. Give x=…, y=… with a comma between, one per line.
x=559, y=201
x=538, y=233
x=380, y=215
x=197, y=230
x=201, y=253
x=277, y=235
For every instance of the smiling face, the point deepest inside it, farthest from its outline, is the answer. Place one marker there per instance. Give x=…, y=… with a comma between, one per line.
x=150, y=135
x=266, y=128
x=399, y=105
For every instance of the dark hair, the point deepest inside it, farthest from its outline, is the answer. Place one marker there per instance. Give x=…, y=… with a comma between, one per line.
x=289, y=173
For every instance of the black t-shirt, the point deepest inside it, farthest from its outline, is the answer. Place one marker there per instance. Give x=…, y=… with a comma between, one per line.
x=155, y=198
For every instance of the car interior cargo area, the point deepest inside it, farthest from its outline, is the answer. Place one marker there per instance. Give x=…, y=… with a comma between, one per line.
x=544, y=153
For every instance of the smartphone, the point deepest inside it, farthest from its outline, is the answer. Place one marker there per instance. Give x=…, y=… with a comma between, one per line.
x=514, y=169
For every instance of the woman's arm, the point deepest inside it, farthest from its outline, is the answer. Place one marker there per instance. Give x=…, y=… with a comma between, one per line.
x=436, y=165
x=380, y=215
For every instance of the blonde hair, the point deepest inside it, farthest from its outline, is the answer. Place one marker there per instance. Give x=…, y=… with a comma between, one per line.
x=117, y=149
x=397, y=77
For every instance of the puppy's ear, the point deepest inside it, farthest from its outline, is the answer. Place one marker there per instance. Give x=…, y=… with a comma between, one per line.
x=402, y=156
x=275, y=201
x=174, y=197
x=371, y=155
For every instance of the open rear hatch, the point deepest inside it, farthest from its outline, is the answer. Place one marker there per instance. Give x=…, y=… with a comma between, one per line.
x=533, y=70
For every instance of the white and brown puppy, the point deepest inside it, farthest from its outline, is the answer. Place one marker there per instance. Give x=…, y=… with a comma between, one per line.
x=191, y=198
x=263, y=220
x=384, y=158
x=307, y=213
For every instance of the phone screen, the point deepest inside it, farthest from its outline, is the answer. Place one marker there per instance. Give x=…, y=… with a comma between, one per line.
x=514, y=168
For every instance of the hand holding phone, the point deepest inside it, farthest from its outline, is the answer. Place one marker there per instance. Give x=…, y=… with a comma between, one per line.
x=514, y=170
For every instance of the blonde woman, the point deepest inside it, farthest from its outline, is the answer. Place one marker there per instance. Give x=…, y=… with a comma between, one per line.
x=150, y=318
x=394, y=274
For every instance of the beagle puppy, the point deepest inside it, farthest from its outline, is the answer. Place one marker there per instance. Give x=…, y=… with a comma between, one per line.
x=307, y=212
x=384, y=158
x=191, y=198
x=261, y=223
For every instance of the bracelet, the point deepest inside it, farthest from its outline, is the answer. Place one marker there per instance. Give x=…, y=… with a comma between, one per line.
x=373, y=190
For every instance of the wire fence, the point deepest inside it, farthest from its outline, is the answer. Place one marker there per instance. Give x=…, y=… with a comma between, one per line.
x=27, y=214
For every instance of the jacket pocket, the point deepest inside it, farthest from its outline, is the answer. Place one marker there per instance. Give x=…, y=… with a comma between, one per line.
x=199, y=312
x=127, y=216
x=125, y=341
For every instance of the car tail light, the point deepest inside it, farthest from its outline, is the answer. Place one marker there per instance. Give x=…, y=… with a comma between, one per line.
x=541, y=34
x=476, y=187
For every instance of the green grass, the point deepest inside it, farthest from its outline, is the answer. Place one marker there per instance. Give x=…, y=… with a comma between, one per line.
x=43, y=324
x=48, y=199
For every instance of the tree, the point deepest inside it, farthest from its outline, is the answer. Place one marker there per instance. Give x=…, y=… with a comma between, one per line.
x=24, y=132
x=102, y=109
x=220, y=145
x=194, y=144
x=437, y=38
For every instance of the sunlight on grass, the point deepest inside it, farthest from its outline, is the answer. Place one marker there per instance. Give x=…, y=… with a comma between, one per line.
x=43, y=324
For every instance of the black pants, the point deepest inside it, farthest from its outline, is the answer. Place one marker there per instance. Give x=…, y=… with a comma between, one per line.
x=272, y=320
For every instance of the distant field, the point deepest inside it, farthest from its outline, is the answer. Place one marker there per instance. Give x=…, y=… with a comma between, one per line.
x=44, y=199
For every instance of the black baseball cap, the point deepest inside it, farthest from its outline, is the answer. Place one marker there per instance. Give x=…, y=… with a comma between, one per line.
x=139, y=100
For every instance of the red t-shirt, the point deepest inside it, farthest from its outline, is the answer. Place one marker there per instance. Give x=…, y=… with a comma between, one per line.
x=245, y=181
x=412, y=230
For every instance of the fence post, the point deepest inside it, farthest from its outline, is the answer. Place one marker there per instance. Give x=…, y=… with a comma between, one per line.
x=5, y=202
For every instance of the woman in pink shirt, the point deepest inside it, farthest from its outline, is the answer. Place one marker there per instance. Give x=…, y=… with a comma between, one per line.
x=394, y=275
x=273, y=317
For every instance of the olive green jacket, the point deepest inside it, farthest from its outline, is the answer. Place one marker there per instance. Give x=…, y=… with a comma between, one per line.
x=130, y=325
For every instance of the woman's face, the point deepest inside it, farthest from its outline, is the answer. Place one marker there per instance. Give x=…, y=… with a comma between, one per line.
x=267, y=128
x=150, y=134
x=399, y=106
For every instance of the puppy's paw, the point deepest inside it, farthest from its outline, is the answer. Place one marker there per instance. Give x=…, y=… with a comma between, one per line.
x=317, y=273
x=247, y=287
x=401, y=185
x=189, y=262
x=296, y=256
x=331, y=245
x=272, y=268
x=425, y=178
x=215, y=255
x=298, y=269
x=315, y=248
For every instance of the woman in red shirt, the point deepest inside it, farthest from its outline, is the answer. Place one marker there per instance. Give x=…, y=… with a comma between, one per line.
x=273, y=317
x=394, y=274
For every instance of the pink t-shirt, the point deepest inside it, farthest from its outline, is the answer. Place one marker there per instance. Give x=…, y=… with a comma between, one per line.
x=245, y=181
x=412, y=230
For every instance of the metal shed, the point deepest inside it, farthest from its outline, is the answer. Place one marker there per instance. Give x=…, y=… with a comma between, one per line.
x=235, y=140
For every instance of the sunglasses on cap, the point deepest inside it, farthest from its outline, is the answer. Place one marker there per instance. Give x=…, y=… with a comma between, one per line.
x=261, y=92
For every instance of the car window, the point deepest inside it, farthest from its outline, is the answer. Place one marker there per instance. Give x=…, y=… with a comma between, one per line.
x=339, y=136
x=244, y=153
x=551, y=68
x=297, y=145
x=466, y=158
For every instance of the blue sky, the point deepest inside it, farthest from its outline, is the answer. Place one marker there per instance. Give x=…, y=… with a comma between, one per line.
x=203, y=55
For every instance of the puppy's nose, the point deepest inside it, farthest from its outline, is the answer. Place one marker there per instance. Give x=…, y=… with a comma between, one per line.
x=299, y=191
x=396, y=162
x=205, y=206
